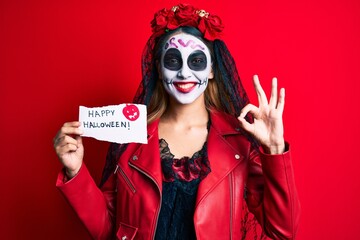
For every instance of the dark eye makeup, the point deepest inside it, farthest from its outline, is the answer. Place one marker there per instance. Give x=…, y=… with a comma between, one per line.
x=197, y=60
x=173, y=60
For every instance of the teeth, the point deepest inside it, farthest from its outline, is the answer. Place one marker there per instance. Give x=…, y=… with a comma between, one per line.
x=185, y=85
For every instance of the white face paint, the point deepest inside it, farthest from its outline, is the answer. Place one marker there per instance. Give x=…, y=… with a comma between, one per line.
x=185, y=67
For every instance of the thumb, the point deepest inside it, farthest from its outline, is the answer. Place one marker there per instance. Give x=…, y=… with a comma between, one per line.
x=79, y=141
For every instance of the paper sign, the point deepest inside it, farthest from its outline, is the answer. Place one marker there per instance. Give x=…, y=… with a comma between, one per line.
x=122, y=123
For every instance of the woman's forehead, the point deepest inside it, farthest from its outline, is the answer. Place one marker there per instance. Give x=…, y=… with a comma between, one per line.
x=183, y=41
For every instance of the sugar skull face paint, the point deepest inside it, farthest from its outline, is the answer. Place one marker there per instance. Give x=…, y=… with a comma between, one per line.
x=185, y=67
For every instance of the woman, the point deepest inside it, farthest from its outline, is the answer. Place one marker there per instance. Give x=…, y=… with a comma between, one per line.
x=203, y=168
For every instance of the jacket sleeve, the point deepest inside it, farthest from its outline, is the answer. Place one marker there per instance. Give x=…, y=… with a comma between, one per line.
x=95, y=207
x=271, y=193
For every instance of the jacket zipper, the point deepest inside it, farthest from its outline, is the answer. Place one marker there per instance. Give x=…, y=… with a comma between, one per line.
x=158, y=210
x=130, y=185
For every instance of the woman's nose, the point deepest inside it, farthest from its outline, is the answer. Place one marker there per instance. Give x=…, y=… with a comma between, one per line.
x=184, y=72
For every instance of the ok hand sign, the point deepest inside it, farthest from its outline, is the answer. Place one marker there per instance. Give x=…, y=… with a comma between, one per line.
x=267, y=127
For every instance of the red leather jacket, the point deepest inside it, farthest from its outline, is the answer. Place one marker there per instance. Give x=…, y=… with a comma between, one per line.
x=129, y=202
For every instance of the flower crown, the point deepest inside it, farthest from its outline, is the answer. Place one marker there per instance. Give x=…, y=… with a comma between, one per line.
x=186, y=15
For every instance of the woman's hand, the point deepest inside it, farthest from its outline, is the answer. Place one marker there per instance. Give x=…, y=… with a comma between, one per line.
x=268, y=125
x=69, y=148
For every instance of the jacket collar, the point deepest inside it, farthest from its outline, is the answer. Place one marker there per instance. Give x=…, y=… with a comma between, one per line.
x=222, y=156
x=223, y=123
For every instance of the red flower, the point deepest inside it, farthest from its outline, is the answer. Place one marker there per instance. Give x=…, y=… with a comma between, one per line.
x=172, y=22
x=160, y=20
x=187, y=15
x=211, y=27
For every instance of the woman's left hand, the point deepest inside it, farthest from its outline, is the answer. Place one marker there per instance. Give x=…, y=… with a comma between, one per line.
x=267, y=127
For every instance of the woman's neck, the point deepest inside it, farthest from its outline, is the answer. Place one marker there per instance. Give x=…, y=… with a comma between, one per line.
x=189, y=114
x=184, y=127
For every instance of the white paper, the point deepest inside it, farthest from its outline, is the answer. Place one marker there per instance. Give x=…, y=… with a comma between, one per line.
x=122, y=123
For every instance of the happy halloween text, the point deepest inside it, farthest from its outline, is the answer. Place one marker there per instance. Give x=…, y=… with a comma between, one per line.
x=109, y=124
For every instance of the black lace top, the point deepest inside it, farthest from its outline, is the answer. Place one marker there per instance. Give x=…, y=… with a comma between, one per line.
x=181, y=178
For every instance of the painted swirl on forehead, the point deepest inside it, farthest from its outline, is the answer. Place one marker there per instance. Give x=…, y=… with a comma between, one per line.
x=193, y=44
x=182, y=43
x=171, y=43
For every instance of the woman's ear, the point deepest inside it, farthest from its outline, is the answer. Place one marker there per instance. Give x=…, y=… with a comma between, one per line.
x=211, y=74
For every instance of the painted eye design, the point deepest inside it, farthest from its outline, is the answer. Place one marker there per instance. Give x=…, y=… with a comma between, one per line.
x=197, y=61
x=172, y=60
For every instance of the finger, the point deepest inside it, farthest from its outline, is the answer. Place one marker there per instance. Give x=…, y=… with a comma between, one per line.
x=78, y=141
x=65, y=140
x=72, y=124
x=66, y=149
x=249, y=108
x=249, y=127
x=59, y=139
x=260, y=92
x=281, y=102
x=68, y=128
x=273, y=98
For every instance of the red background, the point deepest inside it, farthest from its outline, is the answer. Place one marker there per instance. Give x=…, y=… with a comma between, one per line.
x=57, y=55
